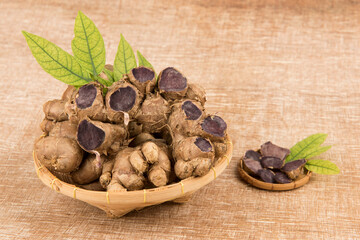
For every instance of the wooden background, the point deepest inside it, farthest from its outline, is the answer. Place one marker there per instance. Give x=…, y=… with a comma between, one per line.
x=275, y=70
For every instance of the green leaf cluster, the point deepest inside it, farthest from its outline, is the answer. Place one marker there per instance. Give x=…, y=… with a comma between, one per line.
x=125, y=59
x=322, y=166
x=311, y=147
x=88, y=61
x=88, y=45
x=56, y=61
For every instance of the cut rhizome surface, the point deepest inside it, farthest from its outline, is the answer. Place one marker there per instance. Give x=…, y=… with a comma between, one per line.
x=203, y=144
x=214, y=125
x=86, y=96
x=123, y=99
x=172, y=80
x=192, y=112
x=90, y=136
x=143, y=74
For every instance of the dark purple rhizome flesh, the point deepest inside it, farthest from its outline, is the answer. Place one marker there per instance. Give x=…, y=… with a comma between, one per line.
x=86, y=96
x=272, y=162
x=123, y=99
x=266, y=175
x=214, y=125
x=90, y=136
x=251, y=166
x=253, y=155
x=293, y=165
x=192, y=112
x=269, y=149
x=143, y=74
x=203, y=144
x=172, y=81
x=281, y=177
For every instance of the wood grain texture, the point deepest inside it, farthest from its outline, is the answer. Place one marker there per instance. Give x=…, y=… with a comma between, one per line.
x=275, y=70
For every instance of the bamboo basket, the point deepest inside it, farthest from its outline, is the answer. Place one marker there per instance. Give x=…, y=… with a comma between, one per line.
x=300, y=181
x=117, y=204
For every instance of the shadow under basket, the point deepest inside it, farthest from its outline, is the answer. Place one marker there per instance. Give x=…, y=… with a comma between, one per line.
x=117, y=204
x=299, y=182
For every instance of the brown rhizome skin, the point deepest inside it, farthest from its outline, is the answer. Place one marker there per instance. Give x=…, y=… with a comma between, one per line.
x=119, y=131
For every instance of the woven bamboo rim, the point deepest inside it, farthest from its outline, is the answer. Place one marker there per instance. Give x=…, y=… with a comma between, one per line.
x=117, y=204
x=300, y=181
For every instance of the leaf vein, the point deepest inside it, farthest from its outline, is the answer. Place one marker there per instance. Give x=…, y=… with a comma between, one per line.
x=72, y=72
x=87, y=42
x=303, y=148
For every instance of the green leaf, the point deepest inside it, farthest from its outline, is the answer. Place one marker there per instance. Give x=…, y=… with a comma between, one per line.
x=300, y=150
x=322, y=167
x=124, y=59
x=109, y=74
x=105, y=90
x=104, y=81
x=88, y=45
x=56, y=61
x=316, y=151
x=143, y=61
